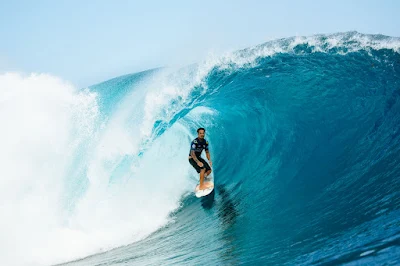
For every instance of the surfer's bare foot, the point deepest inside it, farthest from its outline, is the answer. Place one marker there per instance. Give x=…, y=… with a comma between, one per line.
x=204, y=186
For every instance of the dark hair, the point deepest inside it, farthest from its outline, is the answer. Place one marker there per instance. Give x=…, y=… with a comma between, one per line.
x=200, y=129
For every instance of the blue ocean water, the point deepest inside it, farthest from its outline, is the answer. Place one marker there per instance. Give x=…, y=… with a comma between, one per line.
x=304, y=134
x=305, y=138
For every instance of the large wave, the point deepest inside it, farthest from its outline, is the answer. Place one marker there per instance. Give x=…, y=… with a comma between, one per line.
x=303, y=133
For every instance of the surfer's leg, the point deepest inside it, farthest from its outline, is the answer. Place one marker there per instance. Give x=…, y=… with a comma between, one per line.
x=206, y=167
x=207, y=173
x=202, y=171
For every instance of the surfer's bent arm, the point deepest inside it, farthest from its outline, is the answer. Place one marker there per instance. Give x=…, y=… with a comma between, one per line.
x=194, y=156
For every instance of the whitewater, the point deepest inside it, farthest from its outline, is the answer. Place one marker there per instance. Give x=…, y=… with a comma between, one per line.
x=304, y=134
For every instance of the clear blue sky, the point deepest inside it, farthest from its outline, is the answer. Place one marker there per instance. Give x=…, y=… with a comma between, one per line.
x=86, y=42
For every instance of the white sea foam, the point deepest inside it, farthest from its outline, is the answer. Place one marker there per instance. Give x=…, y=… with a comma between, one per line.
x=45, y=125
x=343, y=43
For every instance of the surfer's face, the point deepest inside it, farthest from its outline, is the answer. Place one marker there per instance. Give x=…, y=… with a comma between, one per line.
x=201, y=134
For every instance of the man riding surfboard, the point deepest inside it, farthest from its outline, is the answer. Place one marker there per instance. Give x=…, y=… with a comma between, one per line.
x=202, y=167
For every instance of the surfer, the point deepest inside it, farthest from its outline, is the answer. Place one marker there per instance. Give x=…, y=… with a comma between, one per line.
x=196, y=148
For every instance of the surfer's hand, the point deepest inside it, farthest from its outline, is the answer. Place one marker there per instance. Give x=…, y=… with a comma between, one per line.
x=210, y=163
x=200, y=164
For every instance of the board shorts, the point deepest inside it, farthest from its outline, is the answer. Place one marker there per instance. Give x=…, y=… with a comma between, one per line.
x=198, y=168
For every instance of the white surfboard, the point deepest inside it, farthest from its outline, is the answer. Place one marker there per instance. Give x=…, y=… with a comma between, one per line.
x=201, y=193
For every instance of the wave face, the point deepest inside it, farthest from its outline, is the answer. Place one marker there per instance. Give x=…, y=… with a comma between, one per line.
x=304, y=134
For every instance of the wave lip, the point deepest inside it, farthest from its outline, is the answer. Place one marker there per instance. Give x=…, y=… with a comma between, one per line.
x=341, y=43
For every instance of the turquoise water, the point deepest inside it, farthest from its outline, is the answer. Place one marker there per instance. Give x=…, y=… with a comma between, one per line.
x=305, y=142
x=304, y=135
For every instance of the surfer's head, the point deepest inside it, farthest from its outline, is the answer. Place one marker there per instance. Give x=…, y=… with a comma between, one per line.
x=201, y=132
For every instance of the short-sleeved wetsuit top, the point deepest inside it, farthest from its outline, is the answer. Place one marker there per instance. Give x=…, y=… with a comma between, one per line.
x=198, y=146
